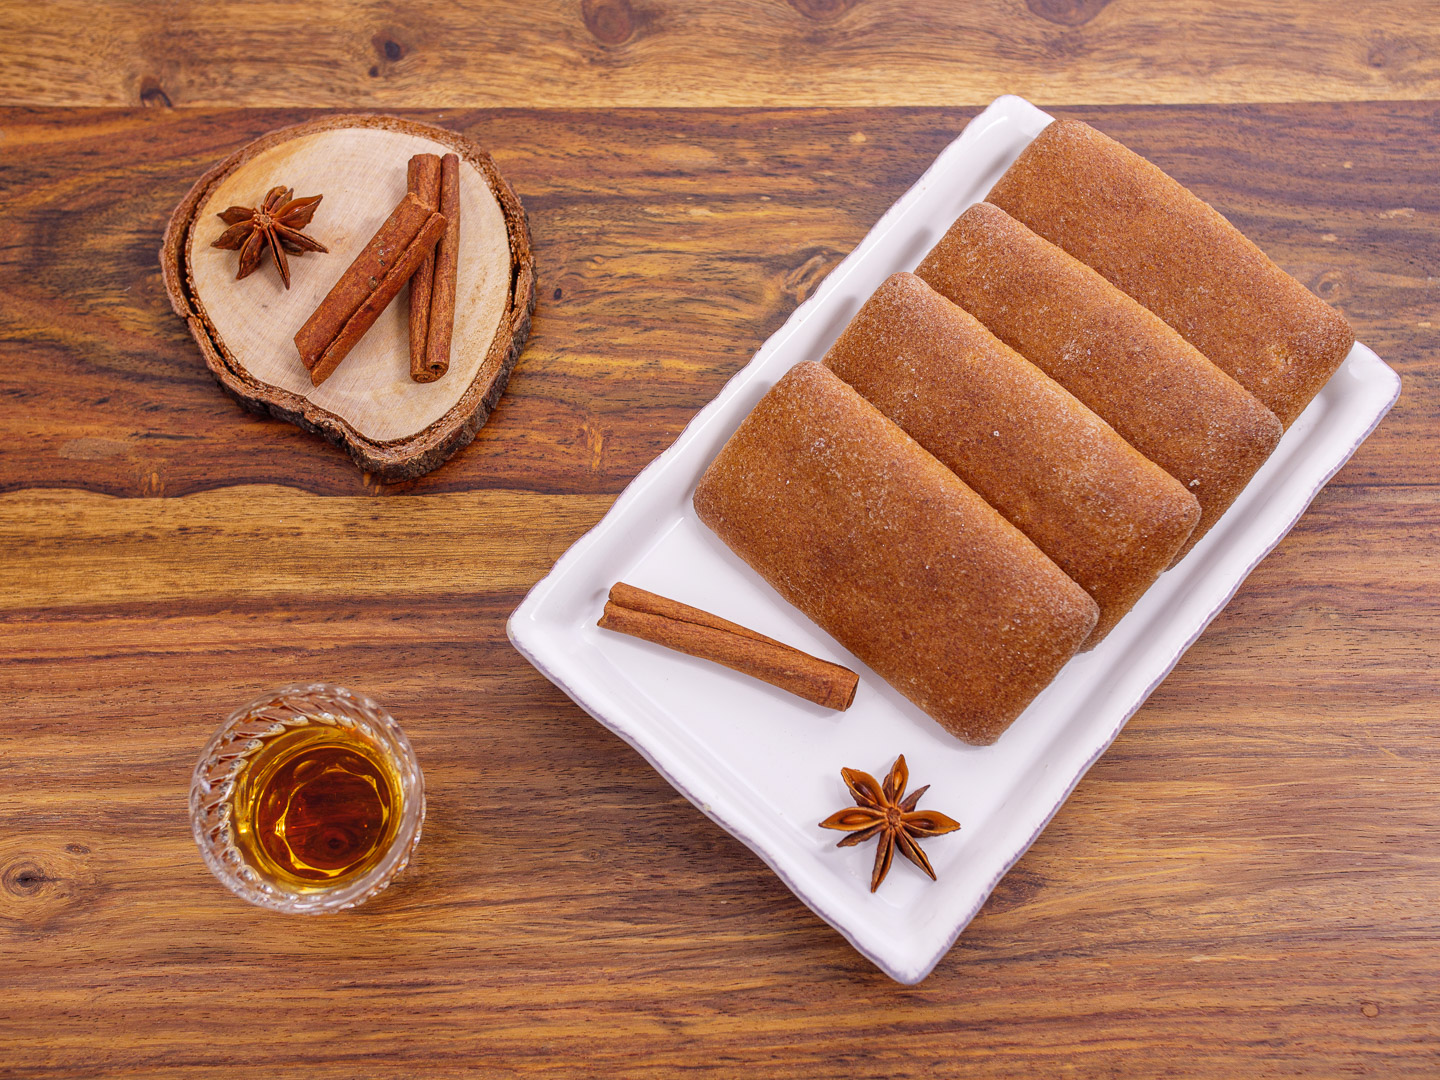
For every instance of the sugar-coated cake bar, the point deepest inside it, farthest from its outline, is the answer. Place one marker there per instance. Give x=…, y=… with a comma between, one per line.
x=854, y=523
x=1118, y=213
x=1119, y=358
x=1104, y=513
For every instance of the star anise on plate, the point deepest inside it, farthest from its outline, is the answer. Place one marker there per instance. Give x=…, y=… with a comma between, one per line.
x=884, y=810
x=276, y=224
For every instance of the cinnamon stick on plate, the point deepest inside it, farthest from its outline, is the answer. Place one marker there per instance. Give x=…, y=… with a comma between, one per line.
x=423, y=180
x=441, y=323
x=694, y=632
x=367, y=286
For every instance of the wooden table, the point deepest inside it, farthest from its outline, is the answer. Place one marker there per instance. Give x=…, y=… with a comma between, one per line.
x=1246, y=884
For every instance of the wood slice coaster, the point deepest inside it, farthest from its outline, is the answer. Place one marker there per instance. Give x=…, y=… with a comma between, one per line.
x=391, y=425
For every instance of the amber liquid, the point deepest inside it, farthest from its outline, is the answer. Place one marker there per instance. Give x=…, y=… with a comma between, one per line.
x=316, y=807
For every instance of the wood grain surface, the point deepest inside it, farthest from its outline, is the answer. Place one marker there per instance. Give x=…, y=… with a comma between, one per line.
x=1245, y=885
x=608, y=53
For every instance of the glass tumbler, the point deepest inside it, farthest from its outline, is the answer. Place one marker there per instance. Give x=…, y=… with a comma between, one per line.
x=307, y=800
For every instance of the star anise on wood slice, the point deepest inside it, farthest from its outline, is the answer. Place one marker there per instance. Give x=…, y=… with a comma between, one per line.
x=884, y=810
x=276, y=224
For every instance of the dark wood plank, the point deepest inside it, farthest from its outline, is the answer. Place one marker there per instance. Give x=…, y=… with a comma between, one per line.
x=1243, y=873
x=669, y=245
x=607, y=53
x=1244, y=884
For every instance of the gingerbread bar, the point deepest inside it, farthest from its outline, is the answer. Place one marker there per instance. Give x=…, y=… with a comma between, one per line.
x=1118, y=213
x=1109, y=517
x=1120, y=359
x=854, y=523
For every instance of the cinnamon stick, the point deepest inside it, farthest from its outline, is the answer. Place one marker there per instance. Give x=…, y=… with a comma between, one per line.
x=447, y=264
x=367, y=286
x=698, y=633
x=423, y=181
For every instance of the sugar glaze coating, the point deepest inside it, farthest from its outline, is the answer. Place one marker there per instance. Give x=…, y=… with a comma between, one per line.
x=1109, y=517
x=1172, y=252
x=1120, y=359
x=854, y=523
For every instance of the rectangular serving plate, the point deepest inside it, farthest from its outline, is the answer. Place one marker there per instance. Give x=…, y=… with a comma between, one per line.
x=765, y=765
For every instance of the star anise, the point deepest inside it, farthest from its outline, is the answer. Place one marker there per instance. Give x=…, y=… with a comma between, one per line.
x=276, y=224
x=884, y=810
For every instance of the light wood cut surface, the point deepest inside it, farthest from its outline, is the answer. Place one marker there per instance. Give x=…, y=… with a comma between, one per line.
x=609, y=53
x=364, y=171
x=1244, y=885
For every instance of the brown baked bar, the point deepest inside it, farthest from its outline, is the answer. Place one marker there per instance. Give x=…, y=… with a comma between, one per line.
x=1109, y=517
x=1120, y=359
x=1139, y=228
x=888, y=551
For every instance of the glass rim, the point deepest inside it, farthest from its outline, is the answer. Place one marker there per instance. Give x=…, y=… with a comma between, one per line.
x=222, y=760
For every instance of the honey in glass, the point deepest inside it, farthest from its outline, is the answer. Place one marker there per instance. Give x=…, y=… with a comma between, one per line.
x=307, y=800
x=315, y=806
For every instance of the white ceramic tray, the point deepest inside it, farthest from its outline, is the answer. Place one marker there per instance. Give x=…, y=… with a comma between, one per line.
x=765, y=765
